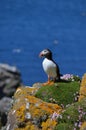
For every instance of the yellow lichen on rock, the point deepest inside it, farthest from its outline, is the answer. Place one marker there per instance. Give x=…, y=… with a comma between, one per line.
x=32, y=113
x=29, y=126
x=83, y=88
x=49, y=124
x=20, y=114
x=83, y=127
x=30, y=90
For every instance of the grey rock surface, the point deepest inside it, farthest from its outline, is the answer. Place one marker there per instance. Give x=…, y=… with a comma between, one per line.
x=10, y=79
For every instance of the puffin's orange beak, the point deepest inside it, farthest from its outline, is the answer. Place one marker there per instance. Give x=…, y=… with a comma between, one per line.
x=41, y=54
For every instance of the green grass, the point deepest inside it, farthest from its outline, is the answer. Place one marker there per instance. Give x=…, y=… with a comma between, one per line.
x=65, y=93
x=71, y=116
x=60, y=93
x=63, y=126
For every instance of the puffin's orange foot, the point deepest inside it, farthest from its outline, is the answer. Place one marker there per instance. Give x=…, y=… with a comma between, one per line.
x=48, y=83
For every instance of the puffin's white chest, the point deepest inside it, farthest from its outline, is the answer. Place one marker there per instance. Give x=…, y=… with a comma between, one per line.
x=49, y=67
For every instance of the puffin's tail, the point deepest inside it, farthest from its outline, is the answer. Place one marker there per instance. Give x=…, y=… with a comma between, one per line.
x=57, y=79
x=61, y=74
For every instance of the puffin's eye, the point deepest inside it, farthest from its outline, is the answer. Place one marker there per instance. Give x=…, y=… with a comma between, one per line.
x=45, y=50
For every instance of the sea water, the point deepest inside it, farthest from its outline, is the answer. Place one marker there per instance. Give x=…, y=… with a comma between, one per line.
x=29, y=26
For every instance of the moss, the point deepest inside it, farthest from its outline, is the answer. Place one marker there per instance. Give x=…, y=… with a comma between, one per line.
x=60, y=93
x=63, y=126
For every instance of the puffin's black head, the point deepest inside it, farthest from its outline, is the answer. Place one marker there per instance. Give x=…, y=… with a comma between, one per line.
x=46, y=53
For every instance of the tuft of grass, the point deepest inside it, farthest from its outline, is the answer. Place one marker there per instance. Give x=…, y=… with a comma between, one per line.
x=61, y=93
x=63, y=126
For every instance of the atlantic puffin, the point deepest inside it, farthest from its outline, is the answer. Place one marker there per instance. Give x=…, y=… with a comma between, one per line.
x=49, y=66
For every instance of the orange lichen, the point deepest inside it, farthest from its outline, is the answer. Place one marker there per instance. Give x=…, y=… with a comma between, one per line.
x=83, y=127
x=49, y=124
x=29, y=126
x=25, y=90
x=83, y=88
x=49, y=107
x=37, y=109
x=20, y=114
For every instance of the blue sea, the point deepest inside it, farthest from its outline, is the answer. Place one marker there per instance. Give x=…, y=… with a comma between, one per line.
x=29, y=26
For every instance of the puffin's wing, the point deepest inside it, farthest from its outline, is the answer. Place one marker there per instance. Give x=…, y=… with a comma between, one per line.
x=57, y=70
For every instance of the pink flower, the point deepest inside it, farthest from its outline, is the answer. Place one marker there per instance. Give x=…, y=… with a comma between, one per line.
x=74, y=129
x=55, y=116
x=67, y=77
x=79, y=125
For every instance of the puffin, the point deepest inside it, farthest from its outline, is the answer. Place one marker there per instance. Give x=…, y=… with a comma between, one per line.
x=49, y=65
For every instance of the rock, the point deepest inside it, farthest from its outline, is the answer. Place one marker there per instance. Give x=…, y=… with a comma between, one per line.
x=83, y=88
x=31, y=113
x=5, y=105
x=36, y=108
x=83, y=127
x=10, y=79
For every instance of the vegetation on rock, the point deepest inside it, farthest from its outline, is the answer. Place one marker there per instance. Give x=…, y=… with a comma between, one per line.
x=72, y=117
x=62, y=93
x=60, y=106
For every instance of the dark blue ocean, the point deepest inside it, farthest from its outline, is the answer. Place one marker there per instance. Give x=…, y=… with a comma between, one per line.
x=29, y=26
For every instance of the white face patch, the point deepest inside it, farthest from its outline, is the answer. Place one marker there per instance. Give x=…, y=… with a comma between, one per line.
x=44, y=52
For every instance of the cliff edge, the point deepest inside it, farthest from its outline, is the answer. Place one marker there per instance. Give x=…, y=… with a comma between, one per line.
x=59, y=106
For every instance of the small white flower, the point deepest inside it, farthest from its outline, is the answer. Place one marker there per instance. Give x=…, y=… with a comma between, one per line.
x=68, y=117
x=60, y=116
x=76, y=124
x=72, y=79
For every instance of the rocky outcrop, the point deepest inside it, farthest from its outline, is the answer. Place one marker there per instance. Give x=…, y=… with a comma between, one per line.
x=10, y=79
x=36, y=108
x=83, y=88
x=5, y=105
x=31, y=113
x=83, y=96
